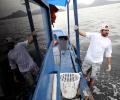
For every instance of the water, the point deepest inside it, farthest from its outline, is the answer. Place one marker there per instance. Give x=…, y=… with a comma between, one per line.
x=108, y=85
x=19, y=29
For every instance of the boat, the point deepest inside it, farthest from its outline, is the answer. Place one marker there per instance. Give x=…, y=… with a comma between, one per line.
x=61, y=63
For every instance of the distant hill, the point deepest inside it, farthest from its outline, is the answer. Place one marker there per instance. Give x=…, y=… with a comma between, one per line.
x=20, y=13
x=17, y=14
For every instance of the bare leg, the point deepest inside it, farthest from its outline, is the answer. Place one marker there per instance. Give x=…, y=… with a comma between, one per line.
x=91, y=83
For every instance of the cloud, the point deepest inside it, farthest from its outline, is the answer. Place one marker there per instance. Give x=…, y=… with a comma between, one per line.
x=113, y=0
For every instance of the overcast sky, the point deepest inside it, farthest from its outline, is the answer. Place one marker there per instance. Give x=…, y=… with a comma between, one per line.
x=9, y=6
x=90, y=3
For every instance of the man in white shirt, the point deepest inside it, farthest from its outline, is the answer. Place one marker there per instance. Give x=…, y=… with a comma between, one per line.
x=100, y=44
x=18, y=56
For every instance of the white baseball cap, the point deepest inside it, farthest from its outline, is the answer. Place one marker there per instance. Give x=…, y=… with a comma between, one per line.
x=104, y=26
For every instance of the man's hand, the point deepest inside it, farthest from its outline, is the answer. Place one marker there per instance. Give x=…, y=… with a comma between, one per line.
x=109, y=68
x=34, y=33
x=15, y=79
x=81, y=33
x=109, y=60
x=76, y=27
x=30, y=37
x=14, y=76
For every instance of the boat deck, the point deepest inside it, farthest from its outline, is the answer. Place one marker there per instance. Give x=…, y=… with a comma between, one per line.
x=66, y=63
x=48, y=85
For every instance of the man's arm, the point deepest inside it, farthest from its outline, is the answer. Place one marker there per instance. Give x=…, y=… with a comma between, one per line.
x=28, y=41
x=109, y=61
x=12, y=63
x=14, y=76
x=109, y=56
x=80, y=33
x=30, y=38
x=13, y=68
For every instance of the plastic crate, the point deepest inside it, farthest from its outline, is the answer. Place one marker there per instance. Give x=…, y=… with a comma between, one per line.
x=69, y=84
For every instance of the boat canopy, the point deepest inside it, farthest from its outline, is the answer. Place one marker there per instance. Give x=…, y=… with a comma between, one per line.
x=58, y=2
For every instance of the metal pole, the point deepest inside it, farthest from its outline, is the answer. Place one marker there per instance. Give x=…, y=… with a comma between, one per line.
x=33, y=29
x=58, y=85
x=68, y=19
x=50, y=28
x=77, y=31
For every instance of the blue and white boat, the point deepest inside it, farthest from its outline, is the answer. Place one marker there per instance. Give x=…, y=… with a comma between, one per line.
x=61, y=66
